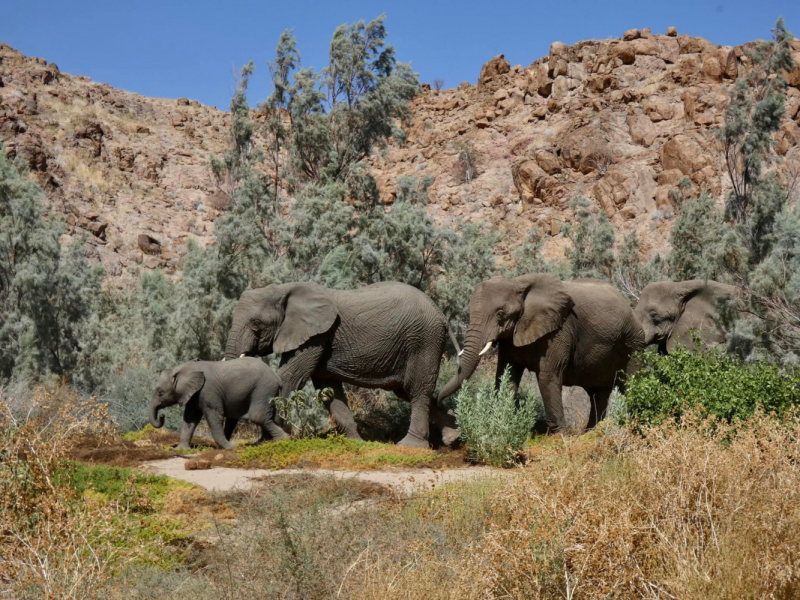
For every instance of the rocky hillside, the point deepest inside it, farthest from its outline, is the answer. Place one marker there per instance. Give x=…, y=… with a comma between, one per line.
x=619, y=121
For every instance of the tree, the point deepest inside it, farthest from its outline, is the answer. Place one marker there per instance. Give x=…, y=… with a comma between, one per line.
x=45, y=293
x=751, y=120
x=592, y=237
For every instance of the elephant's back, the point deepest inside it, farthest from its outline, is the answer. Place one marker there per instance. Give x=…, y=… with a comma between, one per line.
x=390, y=299
x=387, y=322
x=601, y=307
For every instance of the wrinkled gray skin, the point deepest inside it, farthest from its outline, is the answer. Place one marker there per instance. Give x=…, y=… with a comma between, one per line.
x=387, y=335
x=670, y=310
x=574, y=333
x=232, y=390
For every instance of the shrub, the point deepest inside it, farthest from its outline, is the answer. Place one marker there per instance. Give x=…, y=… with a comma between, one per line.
x=303, y=412
x=465, y=168
x=494, y=426
x=719, y=384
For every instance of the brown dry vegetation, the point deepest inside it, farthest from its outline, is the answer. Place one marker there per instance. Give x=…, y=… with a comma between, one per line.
x=700, y=510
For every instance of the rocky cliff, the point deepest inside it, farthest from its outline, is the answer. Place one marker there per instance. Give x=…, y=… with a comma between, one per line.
x=619, y=121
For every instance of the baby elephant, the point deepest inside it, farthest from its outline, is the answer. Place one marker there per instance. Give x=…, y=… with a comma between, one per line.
x=229, y=390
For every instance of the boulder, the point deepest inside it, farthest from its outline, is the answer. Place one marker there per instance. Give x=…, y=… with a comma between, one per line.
x=634, y=186
x=658, y=109
x=631, y=34
x=497, y=66
x=712, y=68
x=148, y=244
x=684, y=153
x=642, y=130
x=625, y=52
x=672, y=32
x=534, y=186
x=197, y=464
x=548, y=161
x=538, y=81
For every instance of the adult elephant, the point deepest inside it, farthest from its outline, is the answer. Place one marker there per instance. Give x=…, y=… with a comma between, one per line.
x=670, y=311
x=570, y=333
x=387, y=335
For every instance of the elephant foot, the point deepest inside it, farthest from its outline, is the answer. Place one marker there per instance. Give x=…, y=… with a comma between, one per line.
x=450, y=435
x=412, y=441
x=183, y=447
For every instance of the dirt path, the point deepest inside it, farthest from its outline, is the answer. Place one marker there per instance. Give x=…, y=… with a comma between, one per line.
x=404, y=481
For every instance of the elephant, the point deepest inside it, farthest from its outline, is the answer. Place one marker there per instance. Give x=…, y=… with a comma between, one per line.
x=669, y=311
x=231, y=390
x=386, y=335
x=569, y=333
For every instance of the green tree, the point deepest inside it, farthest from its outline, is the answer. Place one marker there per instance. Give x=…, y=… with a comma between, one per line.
x=45, y=293
x=593, y=238
x=757, y=105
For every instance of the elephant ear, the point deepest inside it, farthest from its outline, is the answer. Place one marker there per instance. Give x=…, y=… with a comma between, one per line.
x=187, y=380
x=308, y=311
x=698, y=313
x=546, y=306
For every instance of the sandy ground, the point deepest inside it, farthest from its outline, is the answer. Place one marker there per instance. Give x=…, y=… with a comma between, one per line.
x=226, y=478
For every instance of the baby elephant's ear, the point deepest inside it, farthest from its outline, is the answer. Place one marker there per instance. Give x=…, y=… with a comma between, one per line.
x=309, y=311
x=187, y=380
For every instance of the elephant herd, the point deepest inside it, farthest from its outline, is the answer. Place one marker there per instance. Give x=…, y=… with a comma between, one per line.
x=392, y=336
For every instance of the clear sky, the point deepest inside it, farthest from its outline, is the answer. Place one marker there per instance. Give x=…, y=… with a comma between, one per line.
x=190, y=48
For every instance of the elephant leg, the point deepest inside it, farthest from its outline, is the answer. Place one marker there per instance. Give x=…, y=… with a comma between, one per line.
x=446, y=421
x=262, y=413
x=214, y=420
x=297, y=367
x=598, y=405
x=515, y=372
x=230, y=427
x=419, y=429
x=191, y=418
x=338, y=408
x=550, y=389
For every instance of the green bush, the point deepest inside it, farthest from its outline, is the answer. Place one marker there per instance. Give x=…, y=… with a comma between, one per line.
x=304, y=412
x=493, y=427
x=718, y=383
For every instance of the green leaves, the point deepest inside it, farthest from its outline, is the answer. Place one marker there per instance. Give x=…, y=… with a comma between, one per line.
x=719, y=384
x=492, y=426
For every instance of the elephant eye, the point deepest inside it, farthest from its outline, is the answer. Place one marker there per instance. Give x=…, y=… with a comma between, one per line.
x=160, y=392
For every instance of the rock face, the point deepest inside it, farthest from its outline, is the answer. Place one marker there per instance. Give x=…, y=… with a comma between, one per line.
x=619, y=121
x=112, y=162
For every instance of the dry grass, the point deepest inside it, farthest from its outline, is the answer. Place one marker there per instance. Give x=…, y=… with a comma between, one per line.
x=88, y=174
x=673, y=514
x=51, y=545
x=697, y=510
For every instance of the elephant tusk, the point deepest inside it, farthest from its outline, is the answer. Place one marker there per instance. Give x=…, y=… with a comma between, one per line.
x=224, y=359
x=486, y=349
x=460, y=353
x=241, y=355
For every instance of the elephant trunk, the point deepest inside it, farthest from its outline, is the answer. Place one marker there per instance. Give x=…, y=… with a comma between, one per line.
x=470, y=358
x=156, y=420
x=236, y=345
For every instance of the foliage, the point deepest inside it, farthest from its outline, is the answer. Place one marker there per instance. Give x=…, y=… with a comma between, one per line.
x=719, y=384
x=630, y=275
x=303, y=414
x=466, y=163
x=45, y=292
x=752, y=117
x=703, y=245
x=52, y=546
x=592, y=237
x=494, y=424
x=334, y=451
x=469, y=260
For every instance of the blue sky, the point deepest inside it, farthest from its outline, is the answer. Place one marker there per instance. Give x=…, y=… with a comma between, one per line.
x=190, y=48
